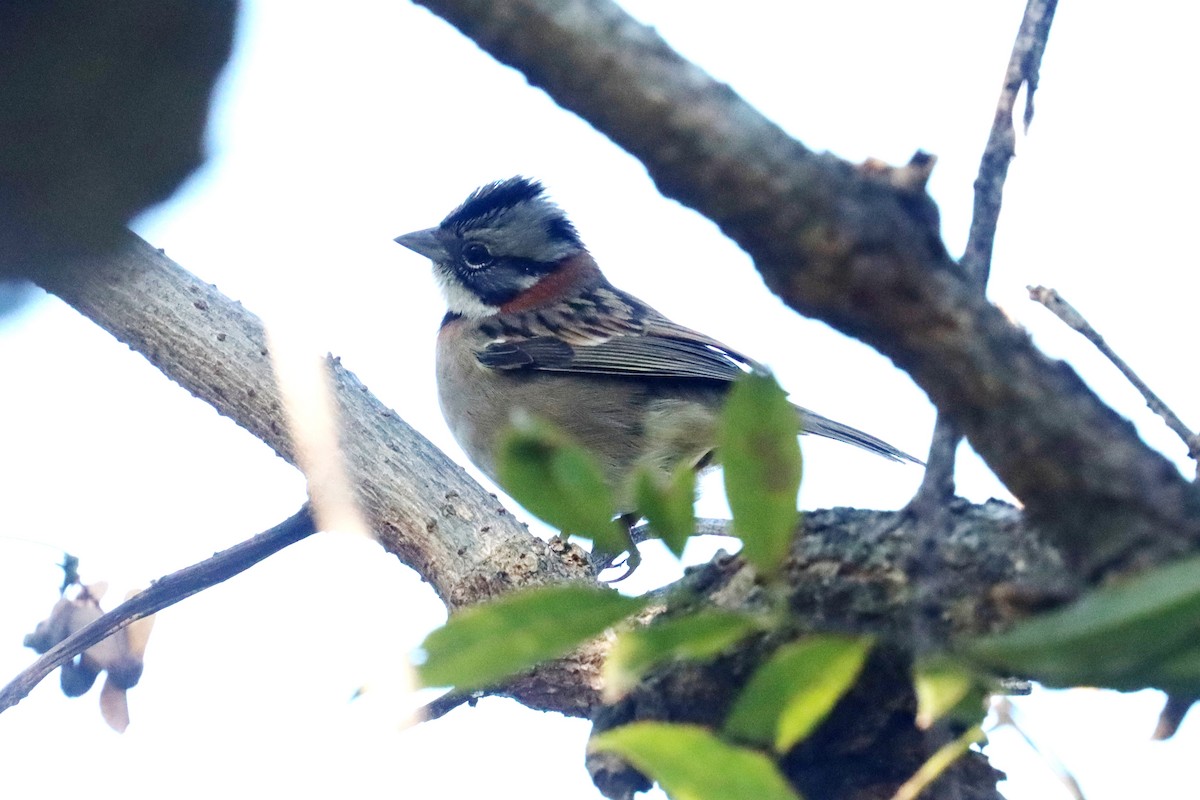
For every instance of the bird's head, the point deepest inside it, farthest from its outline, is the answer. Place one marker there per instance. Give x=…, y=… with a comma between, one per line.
x=503, y=240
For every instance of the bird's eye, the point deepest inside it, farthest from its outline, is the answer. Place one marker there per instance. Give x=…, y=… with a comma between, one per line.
x=476, y=255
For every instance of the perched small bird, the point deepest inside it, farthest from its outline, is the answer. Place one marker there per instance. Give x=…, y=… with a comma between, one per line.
x=533, y=325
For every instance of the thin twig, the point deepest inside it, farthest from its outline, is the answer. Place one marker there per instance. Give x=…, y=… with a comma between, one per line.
x=164, y=592
x=705, y=526
x=937, y=764
x=1005, y=717
x=436, y=709
x=937, y=485
x=1171, y=716
x=1066, y=312
x=1024, y=65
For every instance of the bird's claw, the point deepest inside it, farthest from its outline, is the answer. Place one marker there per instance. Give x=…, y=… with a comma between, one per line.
x=630, y=560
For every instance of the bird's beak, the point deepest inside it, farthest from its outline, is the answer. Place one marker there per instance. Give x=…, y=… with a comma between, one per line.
x=426, y=242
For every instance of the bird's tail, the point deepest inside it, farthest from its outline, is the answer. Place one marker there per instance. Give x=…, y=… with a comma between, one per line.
x=823, y=426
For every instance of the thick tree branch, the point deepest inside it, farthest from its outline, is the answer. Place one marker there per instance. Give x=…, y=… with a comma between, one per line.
x=843, y=245
x=428, y=511
x=873, y=572
x=422, y=506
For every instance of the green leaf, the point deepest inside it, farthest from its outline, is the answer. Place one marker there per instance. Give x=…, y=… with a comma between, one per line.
x=1179, y=673
x=692, y=763
x=796, y=689
x=482, y=644
x=946, y=687
x=560, y=483
x=668, y=505
x=695, y=636
x=1119, y=636
x=760, y=456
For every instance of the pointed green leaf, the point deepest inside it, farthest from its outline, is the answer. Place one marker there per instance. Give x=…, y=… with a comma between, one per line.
x=669, y=506
x=796, y=689
x=1115, y=636
x=482, y=644
x=692, y=763
x=693, y=637
x=760, y=456
x=560, y=483
x=945, y=687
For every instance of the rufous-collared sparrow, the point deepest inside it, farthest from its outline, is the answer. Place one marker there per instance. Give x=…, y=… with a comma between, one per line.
x=533, y=325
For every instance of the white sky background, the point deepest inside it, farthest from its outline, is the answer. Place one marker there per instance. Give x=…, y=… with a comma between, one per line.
x=338, y=127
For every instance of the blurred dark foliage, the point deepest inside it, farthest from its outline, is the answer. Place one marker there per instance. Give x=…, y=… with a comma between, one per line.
x=103, y=108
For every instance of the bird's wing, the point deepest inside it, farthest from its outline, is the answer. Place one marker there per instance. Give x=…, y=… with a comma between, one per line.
x=610, y=333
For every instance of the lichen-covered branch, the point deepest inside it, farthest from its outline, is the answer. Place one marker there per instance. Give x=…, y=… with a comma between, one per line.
x=868, y=572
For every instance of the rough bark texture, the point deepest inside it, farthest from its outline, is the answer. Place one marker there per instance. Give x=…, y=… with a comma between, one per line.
x=421, y=505
x=868, y=572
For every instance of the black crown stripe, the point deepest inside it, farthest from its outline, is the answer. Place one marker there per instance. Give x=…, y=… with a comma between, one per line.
x=495, y=197
x=492, y=198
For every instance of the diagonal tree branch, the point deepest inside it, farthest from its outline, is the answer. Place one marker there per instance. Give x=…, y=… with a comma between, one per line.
x=1066, y=312
x=437, y=520
x=421, y=505
x=863, y=254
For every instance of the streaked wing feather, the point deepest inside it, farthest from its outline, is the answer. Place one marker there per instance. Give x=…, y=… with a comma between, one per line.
x=624, y=337
x=657, y=349
x=526, y=354
x=818, y=425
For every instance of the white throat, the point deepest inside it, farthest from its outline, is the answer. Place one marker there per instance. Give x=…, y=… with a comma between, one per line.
x=459, y=299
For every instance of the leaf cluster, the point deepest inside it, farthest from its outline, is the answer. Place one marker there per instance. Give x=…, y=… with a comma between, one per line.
x=1127, y=636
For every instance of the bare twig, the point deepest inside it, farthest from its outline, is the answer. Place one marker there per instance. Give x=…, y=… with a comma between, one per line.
x=937, y=484
x=436, y=709
x=705, y=526
x=1006, y=717
x=1171, y=717
x=1023, y=68
x=1066, y=312
x=164, y=592
x=1024, y=65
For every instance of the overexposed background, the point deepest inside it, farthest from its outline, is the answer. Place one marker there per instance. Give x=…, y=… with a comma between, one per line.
x=339, y=126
